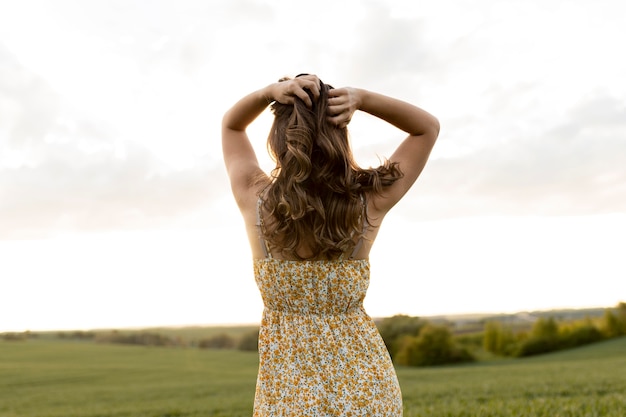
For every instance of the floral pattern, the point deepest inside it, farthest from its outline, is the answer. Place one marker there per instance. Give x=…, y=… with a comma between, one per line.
x=320, y=353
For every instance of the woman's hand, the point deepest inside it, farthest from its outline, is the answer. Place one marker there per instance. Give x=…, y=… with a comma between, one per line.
x=285, y=92
x=342, y=103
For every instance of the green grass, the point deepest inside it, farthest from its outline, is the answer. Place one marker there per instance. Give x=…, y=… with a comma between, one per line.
x=584, y=382
x=50, y=378
x=54, y=378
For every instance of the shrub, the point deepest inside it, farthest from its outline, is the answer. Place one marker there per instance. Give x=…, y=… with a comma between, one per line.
x=433, y=346
x=142, y=338
x=220, y=341
x=499, y=339
x=545, y=328
x=394, y=329
x=536, y=346
x=14, y=337
x=472, y=341
x=582, y=334
x=543, y=338
x=249, y=341
x=615, y=321
x=621, y=317
x=78, y=335
x=611, y=326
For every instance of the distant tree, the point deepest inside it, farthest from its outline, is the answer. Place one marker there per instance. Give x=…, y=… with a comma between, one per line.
x=611, y=325
x=545, y=328
x=544, y=337
x=220, y=341
x=499, y=339
x=433, y=346
x=471, y=341
x=491, y=336
x=407, y=351
x=150, y=339
x=249, y=341
x=14, y=337
x=138, y=338
x=78, y=334
x=83, y=335
x=621, y=315
x=614, y=321
x=579, y=334
x=393, y=329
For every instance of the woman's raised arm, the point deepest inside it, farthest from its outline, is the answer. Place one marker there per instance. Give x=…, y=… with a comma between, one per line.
x=241, y=161
x=411, y=155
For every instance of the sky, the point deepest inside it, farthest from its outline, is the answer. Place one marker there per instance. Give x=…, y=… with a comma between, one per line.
x=115, y=208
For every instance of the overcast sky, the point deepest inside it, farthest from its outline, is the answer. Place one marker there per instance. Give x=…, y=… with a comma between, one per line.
x=113, y=192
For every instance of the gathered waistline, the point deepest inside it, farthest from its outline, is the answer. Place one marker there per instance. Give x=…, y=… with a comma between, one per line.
x=352, y=310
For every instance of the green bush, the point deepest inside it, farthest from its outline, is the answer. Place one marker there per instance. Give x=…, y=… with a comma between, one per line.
x=536, y=346
x=614, y=324
x=140, y=338
x=394, y=329
x=220, y=341
x=249, y=341
x=543, y=338
x=580, y=334
x=14, y=337
x=433, y=346
x=77, y=335
x=499, y=339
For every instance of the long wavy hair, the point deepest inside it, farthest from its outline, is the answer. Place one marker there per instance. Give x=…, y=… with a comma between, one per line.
x=315, y=199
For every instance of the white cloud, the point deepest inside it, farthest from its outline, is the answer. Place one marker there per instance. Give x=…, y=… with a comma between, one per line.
x=112, y=120
x=573, y=167
x=60, y=171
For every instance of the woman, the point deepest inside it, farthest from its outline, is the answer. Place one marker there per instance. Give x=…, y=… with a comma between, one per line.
x=311, y=224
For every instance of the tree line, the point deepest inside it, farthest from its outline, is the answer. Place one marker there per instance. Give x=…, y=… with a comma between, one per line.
x=411, y=341
x=549, y=335
x=247, y=342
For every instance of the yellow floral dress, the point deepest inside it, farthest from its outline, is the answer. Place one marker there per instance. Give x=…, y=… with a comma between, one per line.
x=320, y=353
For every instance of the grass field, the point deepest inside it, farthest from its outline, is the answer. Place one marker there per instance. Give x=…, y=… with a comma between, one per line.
x=53, y=378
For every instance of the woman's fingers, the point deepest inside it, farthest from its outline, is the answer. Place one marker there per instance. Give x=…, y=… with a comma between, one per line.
x=313, y=85
x=340, y=106
x=304, y=96
x=337, y=92
x=340, y=101
x=336, y=102
x=339, y=115
x=310, y=83
x=302, y=87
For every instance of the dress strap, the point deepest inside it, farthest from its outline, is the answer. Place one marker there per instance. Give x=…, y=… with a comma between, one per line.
x=260, y=227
